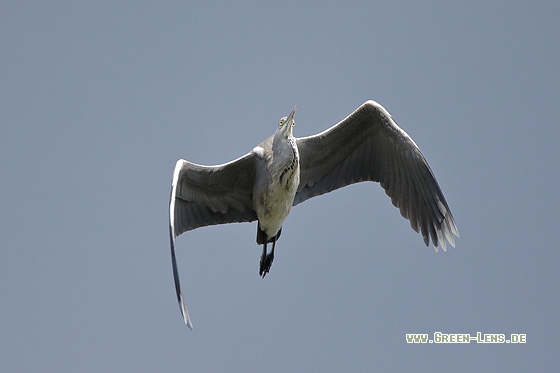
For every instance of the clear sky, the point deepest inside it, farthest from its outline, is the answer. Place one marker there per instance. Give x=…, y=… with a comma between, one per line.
x=98, y=100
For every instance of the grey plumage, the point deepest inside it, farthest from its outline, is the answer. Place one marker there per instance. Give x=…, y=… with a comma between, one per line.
x=368, y=145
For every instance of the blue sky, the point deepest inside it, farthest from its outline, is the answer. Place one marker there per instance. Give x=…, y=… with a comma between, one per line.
x=98, y=100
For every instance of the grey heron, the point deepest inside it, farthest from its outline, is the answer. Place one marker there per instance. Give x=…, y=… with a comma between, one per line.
x=283, y=171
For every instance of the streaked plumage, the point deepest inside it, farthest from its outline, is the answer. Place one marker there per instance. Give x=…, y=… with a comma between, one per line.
x=368, y=145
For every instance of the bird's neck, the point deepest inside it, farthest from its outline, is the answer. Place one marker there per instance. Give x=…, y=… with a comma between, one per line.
x=287, y=160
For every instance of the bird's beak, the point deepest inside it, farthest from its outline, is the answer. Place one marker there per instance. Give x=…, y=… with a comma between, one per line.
x=291, y=116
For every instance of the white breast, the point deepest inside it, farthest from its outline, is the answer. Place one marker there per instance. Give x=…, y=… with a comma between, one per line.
x=275, y=202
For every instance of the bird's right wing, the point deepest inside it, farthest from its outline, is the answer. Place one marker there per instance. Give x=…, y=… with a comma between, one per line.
x=208, y=195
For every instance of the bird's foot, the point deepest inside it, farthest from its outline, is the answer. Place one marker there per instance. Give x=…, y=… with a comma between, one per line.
x=266, y=263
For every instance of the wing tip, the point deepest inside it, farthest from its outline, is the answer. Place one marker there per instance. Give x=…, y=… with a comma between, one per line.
x=180, y=298
x=185, y=313
x=445, y=234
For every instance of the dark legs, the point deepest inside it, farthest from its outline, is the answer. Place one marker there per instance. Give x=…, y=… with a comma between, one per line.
x=267, y=258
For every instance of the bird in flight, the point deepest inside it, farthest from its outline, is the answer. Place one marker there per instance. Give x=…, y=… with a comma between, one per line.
x=283, y=171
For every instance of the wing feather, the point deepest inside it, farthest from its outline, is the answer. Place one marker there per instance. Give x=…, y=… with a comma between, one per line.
x=208, y=195
x=368, y=145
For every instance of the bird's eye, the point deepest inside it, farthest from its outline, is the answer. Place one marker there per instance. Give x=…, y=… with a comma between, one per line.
x=281, y=122
x=294, y=123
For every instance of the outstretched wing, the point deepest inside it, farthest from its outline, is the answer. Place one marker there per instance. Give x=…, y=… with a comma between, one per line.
x=208, y=195
x=369, y=146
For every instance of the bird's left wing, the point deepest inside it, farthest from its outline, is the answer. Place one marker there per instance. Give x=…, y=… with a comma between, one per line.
x=369, y=146
x=208, y=195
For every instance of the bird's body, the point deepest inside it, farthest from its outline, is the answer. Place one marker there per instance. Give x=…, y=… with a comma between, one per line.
x=276, y=183
x=277, y=178
x=283, y=171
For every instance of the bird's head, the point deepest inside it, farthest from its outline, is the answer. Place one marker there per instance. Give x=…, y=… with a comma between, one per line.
x=286, y=124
